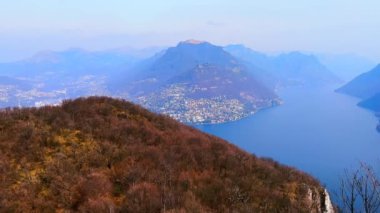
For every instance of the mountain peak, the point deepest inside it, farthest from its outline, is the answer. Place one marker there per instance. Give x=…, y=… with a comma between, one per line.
x=44, y=56
x=55, y=56
x=192, y=41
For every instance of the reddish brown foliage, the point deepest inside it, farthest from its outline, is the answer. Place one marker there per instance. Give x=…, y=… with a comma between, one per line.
x=100, y=154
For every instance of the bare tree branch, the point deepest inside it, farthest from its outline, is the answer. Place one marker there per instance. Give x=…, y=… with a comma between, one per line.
x=360, y=190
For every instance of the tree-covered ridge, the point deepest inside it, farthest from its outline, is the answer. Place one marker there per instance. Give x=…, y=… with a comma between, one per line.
x=106, y=155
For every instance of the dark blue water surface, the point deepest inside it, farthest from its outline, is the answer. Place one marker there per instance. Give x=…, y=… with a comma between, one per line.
x=315, y=130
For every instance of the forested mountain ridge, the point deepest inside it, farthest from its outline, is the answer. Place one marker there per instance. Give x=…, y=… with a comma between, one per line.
x=100, y=154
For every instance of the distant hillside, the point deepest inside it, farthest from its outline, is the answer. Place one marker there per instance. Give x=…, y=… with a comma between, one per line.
x=107, y=155
x=306, y=69
x=287, y=69
x=222, y=80
x=372, y=103
x=258, y=64
x=248, y=55
x=365, y=85
x=51, y=76
x=9, y=88
x=197, y=82
x=14, y=82
x=185, y=56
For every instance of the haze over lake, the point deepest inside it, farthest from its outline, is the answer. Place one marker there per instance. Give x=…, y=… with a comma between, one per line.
x=316, y=130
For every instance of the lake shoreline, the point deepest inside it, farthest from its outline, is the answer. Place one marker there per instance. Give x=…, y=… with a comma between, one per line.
x=278, y=103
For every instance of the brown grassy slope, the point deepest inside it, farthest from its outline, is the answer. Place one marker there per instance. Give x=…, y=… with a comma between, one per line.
x=100, y=154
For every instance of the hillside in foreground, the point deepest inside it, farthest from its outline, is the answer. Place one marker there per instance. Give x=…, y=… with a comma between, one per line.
x=105, y=155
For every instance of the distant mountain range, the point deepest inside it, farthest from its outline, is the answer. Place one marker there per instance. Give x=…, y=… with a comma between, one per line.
x=49, y=77
x=194, y=82
x=70, y=63
x=287, y=69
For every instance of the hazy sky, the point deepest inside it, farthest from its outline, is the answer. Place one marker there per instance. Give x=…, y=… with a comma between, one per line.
x=330, y=26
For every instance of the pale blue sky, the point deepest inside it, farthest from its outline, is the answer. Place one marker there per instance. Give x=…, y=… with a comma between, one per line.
x=330, y=26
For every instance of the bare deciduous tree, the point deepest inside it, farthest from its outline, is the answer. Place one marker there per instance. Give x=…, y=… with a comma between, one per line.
x=360, y=190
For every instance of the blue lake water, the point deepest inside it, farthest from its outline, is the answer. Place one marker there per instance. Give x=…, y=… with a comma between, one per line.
x=315, y=130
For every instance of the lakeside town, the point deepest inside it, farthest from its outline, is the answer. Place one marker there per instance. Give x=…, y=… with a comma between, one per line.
x=179, y=102
x=37, y=95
